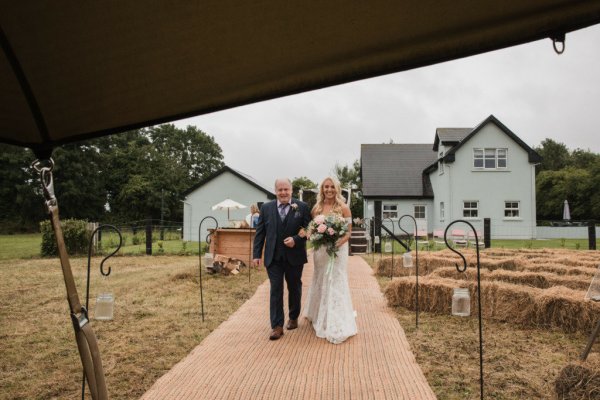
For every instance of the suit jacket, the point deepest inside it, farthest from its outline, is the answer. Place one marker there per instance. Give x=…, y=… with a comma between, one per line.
x=270, y=225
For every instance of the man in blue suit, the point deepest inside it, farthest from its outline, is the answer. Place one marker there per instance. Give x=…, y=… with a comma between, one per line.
x=280, y=229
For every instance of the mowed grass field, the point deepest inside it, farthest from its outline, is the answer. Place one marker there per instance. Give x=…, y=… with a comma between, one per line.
x=156, y=323
x=28, y=245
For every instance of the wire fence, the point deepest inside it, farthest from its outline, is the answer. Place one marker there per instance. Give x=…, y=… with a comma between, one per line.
x=147, y=237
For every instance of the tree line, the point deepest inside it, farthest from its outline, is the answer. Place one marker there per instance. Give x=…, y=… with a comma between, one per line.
x=143, y=173
x=132, y=176
x=567, y=175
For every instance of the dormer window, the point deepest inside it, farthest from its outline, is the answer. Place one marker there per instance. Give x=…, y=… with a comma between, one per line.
x=490, y=158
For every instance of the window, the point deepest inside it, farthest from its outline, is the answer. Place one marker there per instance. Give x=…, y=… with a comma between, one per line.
x=490, y=158
x=390, y=211
x=470, y=209
x=419, y=212
x=441, y=210
x=441, y=163
x=511, y=209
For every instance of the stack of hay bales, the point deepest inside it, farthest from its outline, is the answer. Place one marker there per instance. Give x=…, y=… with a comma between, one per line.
x=523, y=305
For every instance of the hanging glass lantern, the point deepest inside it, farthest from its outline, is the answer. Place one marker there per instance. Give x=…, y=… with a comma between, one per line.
x=593, y=292
x=388, y=246
x=407, y=260
x=104, y=306
x=461, y=302
x=208, y=260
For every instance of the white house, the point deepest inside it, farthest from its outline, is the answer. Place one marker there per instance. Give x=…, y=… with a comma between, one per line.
x=223, y=184
x=468, y=173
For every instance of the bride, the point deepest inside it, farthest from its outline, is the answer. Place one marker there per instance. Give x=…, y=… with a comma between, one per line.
x=329, y=305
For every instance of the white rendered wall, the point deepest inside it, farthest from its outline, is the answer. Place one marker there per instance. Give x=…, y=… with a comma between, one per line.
x=491, y=188
x=198, y=204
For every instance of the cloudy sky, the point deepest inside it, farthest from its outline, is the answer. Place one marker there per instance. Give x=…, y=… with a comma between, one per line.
x=532, y=90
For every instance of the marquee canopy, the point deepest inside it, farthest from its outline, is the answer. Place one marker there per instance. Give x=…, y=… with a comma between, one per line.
x=76, y=70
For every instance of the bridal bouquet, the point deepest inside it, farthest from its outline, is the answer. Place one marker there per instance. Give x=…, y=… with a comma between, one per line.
x=325, y=231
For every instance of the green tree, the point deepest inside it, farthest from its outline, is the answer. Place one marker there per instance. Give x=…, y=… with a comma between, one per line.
x=79, y=181
x=301, y=182
x=154, y=166
x=583, y=159
x=555, y=156
x=572, y=184
x=21, y=203
x=349, y=177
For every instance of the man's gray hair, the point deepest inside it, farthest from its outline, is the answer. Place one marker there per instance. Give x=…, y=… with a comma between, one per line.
x=282, y=180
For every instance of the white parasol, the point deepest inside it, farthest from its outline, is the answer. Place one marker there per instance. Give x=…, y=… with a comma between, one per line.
x=228, y=204
x=566, y=211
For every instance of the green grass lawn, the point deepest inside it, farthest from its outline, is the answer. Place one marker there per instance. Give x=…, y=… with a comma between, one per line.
x=20, y=246
x=573, y=244
x=28, y=245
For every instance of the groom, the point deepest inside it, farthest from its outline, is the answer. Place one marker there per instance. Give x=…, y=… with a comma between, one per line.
x=279, y=226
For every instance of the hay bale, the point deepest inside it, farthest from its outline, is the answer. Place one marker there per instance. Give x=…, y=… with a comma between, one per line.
x=579, y=380
x=506, y=302
x=558, y=269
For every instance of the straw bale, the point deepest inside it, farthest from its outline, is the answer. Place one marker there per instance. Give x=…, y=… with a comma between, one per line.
x=427, y=264
x=558, y=269
x=579, y=380
x=527, y=306
x=516, y=277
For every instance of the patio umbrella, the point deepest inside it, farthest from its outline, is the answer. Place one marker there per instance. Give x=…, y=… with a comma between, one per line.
x=566, y=211
x=228, y=204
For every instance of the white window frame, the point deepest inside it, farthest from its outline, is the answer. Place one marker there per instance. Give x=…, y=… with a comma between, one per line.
x=509, y=207
x=442, y=212
x=488, y=155
x=393, y=209
x=424, y=211
x=472, y=211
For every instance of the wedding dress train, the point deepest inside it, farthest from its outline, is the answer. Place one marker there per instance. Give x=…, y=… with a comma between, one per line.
x=329, y=305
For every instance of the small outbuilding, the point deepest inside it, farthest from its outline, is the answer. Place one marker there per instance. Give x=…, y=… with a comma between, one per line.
x=225, y=183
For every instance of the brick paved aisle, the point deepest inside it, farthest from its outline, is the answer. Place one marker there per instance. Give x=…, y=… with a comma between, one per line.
x=237, y=361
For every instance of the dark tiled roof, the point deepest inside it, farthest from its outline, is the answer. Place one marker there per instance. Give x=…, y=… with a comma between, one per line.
x=449, y=136
x=239, y=174
x=396, y=170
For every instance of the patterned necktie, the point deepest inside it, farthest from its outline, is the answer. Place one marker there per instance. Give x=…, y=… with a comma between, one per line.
x=282, y=213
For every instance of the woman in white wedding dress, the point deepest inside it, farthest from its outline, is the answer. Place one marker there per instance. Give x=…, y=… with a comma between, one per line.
x=329, y=305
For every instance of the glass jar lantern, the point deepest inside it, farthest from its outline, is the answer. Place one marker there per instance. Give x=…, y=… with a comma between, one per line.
x=407, y=261
x=593, y=292
x=208, y=260
x=461, y=302
x=388, y=246
x=104, y=306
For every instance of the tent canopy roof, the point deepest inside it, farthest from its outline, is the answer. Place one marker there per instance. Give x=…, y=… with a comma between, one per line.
x=72, y=71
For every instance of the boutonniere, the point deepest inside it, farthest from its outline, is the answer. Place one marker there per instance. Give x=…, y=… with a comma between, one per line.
x=294, y=206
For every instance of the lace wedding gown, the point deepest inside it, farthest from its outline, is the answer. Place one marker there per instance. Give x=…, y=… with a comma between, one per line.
x=329, y=305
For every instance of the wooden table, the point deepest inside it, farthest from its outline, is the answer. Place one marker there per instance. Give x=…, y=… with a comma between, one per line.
x=233, y=243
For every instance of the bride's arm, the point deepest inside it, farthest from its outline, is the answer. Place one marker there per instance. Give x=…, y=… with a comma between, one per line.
x=348, y=215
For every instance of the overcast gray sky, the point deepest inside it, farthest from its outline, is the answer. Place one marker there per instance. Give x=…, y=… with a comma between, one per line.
x=535, y=92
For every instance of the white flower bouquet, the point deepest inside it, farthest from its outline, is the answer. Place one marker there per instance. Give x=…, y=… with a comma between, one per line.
x=325, y=231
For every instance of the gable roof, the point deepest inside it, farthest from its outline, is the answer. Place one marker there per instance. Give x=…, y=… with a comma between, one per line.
x=239, y=174
x=396, y=170
x=533, y=156
x=449, y=136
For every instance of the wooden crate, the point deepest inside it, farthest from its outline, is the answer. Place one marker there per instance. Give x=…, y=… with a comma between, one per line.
x=233, y=243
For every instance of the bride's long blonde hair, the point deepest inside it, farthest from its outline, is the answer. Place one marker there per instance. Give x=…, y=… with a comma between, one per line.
x=339, y=200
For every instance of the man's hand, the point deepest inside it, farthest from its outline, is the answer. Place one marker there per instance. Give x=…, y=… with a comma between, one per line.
x=289, y=242
x=256, y=262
